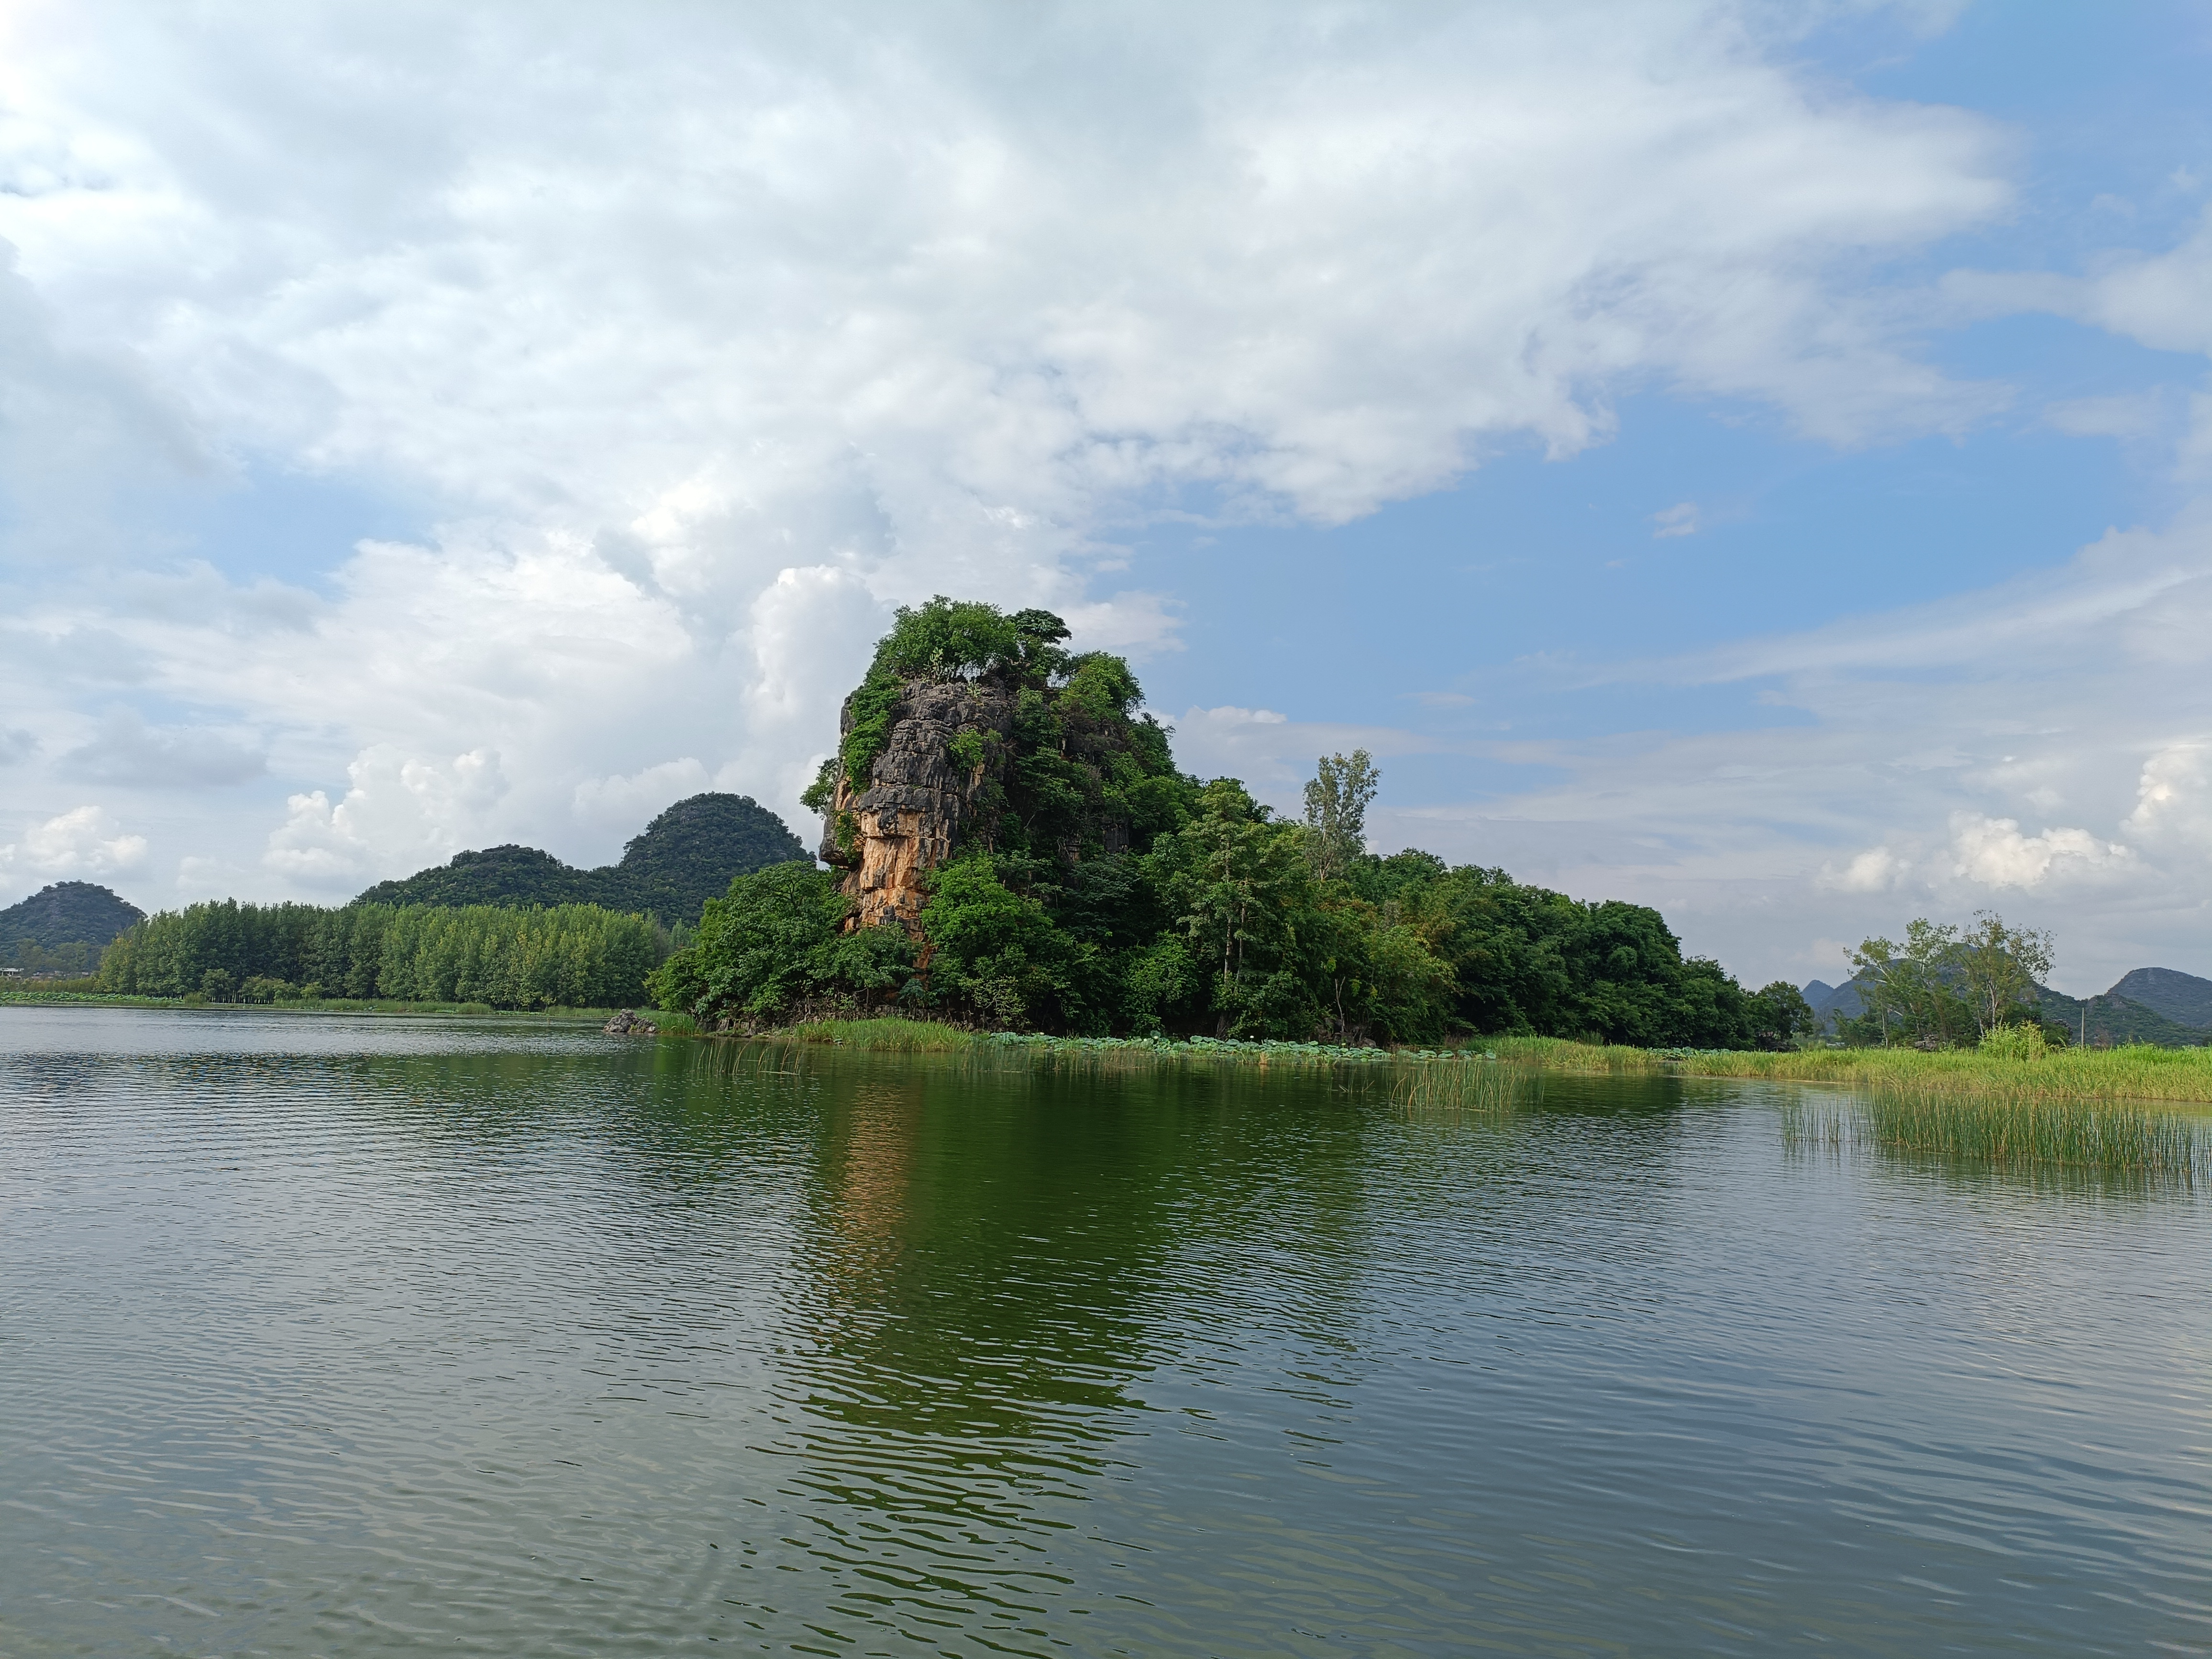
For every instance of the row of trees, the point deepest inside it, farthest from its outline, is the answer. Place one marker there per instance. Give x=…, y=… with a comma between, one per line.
x=564, y=956
x=1232, y=921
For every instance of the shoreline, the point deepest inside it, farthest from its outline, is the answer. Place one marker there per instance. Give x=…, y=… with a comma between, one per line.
x=2141, y=1074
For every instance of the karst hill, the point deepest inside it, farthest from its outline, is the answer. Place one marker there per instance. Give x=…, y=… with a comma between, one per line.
x=684, y=857
x=977, y=730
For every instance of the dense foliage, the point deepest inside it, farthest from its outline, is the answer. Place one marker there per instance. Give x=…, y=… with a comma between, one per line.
x=577, y=955
x=1065, y=766
x=1224, y=928
x=683, y=858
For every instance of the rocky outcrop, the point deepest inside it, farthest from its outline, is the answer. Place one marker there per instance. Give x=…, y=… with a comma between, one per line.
x=921, y=797
x=627, y=1023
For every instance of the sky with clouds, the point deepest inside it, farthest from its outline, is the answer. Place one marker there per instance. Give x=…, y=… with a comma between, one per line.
x=1751, y=459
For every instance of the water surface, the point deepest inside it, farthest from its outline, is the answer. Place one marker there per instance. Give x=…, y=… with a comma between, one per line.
x=355, y=1336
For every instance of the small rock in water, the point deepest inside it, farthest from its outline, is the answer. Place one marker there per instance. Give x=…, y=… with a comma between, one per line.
x=627, y=1023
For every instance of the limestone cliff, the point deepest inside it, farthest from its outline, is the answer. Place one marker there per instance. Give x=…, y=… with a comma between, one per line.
x=907, y=818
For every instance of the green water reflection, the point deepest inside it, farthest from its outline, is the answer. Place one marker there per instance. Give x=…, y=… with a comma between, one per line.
x=364, y=1339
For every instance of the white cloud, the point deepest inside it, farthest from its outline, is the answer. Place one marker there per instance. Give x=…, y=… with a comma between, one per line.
x=84, y=843
x=2158, y=300
x=797, y=285
x=1874, y=871
x=401, y=812
x=2125, y=415
x=2173, y=798
x=1680, y=520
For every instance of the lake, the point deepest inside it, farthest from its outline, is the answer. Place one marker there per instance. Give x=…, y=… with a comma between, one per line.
x=358, y=1336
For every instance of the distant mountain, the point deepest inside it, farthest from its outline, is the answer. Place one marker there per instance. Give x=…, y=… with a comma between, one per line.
x=1828, y=1001
x=67, y=913
x=2124, y=1014
x=2112, y=1019
x=2183, y=997
x=684, y=857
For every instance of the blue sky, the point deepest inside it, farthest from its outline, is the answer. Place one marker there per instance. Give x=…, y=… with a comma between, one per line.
x=1752, y=459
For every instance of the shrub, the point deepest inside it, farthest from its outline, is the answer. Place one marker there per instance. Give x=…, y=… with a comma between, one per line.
x=2020, y=1041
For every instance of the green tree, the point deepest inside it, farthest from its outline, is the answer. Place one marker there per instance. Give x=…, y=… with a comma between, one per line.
x=1238, y=887
x=1999, y=967
x=1336, y=812
x=1909, y=990
x=994, y=949
x=1779, y=1011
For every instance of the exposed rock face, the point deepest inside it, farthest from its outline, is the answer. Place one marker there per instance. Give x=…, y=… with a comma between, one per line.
x=919, y=795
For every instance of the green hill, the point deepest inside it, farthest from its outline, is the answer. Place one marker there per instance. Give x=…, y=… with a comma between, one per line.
x=67, y=913
x=684, y=858
x=61, y=928
x=2182, y=998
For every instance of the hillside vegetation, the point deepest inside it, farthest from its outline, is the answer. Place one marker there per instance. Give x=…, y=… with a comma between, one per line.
x=61, y=928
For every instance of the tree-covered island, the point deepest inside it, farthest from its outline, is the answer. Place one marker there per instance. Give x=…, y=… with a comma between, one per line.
x=1011, y=845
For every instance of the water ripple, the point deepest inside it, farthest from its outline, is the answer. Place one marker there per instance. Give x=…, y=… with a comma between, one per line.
x=359, y=1336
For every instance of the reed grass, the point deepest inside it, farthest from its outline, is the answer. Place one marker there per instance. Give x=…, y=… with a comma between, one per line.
x=2034, y=1130
x=2000, y=1130
x=2138, y=1073
x=1469, y=1090
x=890, y=1034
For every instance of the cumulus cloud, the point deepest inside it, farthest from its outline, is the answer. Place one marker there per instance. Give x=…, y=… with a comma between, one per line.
x=1339, y=251
x=1994, y=852
x=85, y=842
x=2173, y=798
x=399, y=811
x=1874, y=871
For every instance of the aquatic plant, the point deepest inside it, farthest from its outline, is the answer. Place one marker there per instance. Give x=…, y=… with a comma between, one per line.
x=2030, y=1129
x=1490, y=1089
x=899, y=1036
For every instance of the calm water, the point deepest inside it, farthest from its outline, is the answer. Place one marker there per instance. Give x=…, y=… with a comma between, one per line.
x=354, y=1337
